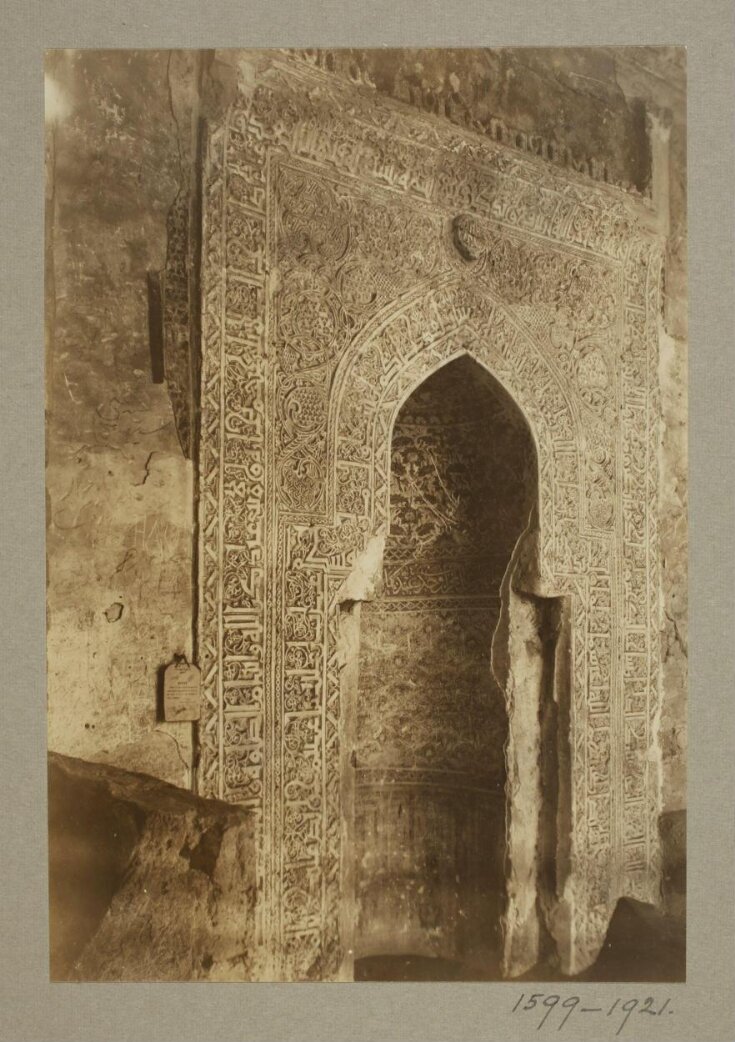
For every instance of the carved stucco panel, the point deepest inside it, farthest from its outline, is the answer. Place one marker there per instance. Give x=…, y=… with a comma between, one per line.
x=313, y=334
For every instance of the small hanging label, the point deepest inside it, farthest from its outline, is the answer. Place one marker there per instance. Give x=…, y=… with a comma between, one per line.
x=181, y=687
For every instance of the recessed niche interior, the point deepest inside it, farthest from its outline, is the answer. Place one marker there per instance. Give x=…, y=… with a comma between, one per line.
x=430, y=721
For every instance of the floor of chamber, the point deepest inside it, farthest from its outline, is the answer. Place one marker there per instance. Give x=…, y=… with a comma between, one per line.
x=419, y=968
x=642, y=944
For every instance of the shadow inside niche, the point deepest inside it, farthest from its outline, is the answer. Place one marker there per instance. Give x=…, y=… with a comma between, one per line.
x=409, y=968
x=642, y=944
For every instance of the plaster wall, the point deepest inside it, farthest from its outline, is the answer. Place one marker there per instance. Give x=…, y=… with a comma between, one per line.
x=119, y=490
x=119, y=487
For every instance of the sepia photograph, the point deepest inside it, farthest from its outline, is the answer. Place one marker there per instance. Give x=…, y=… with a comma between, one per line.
x=366, y=514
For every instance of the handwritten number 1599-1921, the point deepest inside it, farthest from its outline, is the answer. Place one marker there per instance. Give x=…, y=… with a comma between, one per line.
x=555, y=1010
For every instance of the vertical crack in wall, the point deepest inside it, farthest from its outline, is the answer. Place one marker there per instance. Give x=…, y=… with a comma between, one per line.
x=527, y=666
x=190, y=98
x=557, y=909
x=554, y=835
x=519, y=922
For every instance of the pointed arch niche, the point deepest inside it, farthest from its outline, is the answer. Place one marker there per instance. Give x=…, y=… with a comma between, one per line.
x=430, y=723
x=518, y=878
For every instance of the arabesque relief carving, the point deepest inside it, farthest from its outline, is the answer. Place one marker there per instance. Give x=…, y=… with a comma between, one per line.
x=350, y=249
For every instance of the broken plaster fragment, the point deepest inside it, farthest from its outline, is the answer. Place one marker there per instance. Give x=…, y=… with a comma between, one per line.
x=362, y=582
